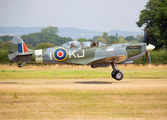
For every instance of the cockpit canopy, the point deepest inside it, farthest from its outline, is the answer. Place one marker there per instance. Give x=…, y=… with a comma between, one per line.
x=89, y=44
x=86, y=44
x=101, y=44
x=72, y=44
x=77, y=44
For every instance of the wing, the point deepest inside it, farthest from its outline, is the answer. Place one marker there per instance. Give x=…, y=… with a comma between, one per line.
x=116, y=59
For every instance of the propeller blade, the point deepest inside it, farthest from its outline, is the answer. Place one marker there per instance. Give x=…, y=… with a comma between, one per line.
x=149, y=47
x=149, y=56
x=146, y=57
x=148, y=37
x=145, y=36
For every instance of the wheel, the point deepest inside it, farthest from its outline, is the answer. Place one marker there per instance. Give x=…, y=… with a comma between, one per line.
x=19, y=65
x=112, y=74
x=118, y=75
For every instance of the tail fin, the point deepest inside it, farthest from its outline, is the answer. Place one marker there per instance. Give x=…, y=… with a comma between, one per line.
x=16, y=48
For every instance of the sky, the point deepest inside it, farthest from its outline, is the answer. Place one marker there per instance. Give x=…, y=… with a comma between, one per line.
x=99, y=15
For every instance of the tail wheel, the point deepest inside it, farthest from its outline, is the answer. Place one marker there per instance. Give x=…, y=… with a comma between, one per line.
x=20, y=65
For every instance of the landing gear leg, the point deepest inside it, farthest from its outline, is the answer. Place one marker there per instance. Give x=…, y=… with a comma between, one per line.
x=20, y=65
x=116, y=73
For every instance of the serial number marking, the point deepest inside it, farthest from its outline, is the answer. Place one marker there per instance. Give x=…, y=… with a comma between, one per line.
x=50, y=56
x=42, y=56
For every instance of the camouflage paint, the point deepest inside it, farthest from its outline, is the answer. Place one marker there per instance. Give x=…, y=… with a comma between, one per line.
x=135, y=49
x=91, y=55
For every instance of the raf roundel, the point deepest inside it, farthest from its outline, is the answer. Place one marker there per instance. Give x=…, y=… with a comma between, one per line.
x=60, y=54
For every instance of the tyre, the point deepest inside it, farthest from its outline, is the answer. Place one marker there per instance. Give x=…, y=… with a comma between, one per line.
x=112, y=74
x=118, y=75
x=19, y=65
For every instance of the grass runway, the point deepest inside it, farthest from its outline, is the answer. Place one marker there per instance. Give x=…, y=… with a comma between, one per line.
x=82, y=93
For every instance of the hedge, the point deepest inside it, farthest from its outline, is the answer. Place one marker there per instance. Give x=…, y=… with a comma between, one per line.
x=157, y=57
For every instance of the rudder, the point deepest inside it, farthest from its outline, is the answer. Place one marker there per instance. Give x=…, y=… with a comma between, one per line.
x=17, y=47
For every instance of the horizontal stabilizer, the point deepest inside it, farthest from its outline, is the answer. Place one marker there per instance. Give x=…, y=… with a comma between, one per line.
x=24, y=53
x=20, y=57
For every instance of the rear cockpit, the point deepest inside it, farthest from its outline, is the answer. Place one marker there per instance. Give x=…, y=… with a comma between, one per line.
x=92, y=44
x=77, y=44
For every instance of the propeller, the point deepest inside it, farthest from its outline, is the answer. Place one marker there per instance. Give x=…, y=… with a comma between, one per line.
x=148, y=56
x=148, y=37
x=149, y=47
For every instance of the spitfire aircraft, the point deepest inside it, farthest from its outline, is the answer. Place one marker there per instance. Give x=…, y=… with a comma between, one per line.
x=76, y=53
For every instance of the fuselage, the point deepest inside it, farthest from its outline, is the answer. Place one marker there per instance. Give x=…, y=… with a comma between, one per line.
x=80, y=53
x=86, y=55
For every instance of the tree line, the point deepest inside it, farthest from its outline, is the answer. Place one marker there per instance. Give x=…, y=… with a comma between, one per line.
x=117, y=38
x=44, y=39
x=48, y=38
x=154, y=18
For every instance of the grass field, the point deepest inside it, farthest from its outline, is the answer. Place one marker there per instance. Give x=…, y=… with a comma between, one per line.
x=80, y=72
x=81, y=93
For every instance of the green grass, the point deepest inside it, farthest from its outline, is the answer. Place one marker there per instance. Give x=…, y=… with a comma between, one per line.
x=53, y=74
x=64, y=93
x=79, y=73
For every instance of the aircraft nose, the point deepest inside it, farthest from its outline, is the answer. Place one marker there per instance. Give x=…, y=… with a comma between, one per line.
x=150, y=47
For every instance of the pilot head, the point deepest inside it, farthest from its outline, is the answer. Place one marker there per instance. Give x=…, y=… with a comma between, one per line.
x=94, y=43
x=72, y=45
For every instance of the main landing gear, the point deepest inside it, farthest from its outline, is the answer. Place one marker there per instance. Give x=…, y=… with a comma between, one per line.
x=116, y=73
x=21, y=65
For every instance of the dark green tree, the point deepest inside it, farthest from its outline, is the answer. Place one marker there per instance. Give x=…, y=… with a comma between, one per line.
x=32, y=38
x=37, y=38
x=4, y=45
x=44, y=45
x=6, y=38
x=130, y=38
x=4, y=56
x=113, y=39
x=106, y=38
x=50, y=29
x=1, y=40
x=82, y=40
x=154, y=16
